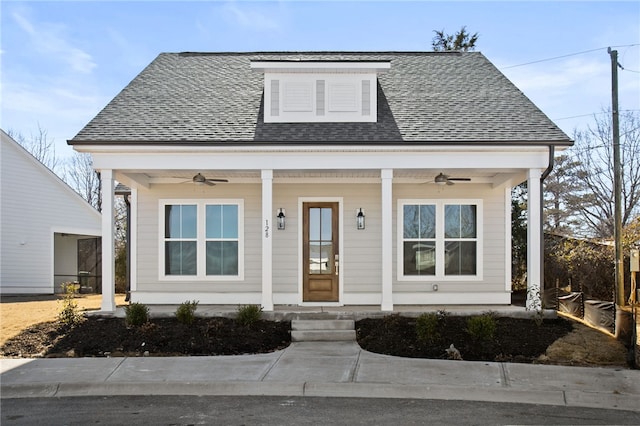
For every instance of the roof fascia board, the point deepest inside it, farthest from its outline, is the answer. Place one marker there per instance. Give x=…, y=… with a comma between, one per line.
x=321, y=66
x=137, y=162
x=152, y=146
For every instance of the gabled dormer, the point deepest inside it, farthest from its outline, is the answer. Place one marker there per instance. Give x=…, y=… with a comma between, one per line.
x=320, y=91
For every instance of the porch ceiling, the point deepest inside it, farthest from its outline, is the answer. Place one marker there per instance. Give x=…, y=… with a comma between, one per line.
x=146, y=177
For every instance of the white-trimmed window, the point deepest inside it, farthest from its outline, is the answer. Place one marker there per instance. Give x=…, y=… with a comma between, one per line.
x=201, y=239
x=439, y=240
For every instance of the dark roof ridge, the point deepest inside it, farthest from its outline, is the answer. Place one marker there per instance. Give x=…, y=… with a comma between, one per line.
x=321, y=52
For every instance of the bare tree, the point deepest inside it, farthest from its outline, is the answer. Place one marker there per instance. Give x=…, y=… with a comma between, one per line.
x=81, y=176
x=594, y=152
x=39, y=145
x=461, y=41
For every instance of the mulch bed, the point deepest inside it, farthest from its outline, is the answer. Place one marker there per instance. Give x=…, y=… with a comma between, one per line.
x=515, y=339
x=96, y=337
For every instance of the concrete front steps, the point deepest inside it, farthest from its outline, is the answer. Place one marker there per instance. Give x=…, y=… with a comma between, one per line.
x=323, y=330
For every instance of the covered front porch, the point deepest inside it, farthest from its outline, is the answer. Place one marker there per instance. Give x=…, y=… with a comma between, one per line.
x=297, y=176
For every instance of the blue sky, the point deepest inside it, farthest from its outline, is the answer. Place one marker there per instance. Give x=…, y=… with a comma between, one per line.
x=63, y=61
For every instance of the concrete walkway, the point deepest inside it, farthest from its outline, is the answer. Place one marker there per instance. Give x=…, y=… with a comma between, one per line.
x=325, y=369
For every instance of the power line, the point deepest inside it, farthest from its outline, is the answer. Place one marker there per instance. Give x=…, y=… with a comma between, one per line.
x=594, y=113
x=569, y=55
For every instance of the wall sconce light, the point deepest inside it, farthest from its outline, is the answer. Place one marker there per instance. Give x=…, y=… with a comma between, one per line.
x=359, y=219
x=281, y=216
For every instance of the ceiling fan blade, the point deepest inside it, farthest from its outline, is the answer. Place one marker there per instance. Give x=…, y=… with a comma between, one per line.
x=460, y=179
x=208, y=182
x=217, y=180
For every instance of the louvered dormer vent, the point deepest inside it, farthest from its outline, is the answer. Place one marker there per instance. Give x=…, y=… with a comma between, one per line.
x=298, y=91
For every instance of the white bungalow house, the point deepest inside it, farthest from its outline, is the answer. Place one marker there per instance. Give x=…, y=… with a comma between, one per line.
x=321, y=178
x=48, y=233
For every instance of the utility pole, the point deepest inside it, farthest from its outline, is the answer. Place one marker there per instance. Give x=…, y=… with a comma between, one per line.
x=620, y=323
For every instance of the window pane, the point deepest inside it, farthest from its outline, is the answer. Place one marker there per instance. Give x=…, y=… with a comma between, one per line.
x=222, y=258
x=180, y=258
x=411, y=222
x=460, y=258
x=468, y=221
x=230, y=221
x=180, y=221
x=452, y=221
x=428, y=221
x=214, y=221
x=419, y=258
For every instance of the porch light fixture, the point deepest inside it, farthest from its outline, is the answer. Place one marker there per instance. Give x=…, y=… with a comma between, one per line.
x=360, y=219
x=281, y=216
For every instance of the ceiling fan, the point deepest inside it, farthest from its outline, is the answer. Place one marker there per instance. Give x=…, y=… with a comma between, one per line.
x=443, y=179
x=199, y=179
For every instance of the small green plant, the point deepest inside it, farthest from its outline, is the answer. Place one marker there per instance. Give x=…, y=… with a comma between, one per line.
x=482, y=327
x=427, y=327
x=136, y=314
x=248, y=315
x=69, y=314
x=185, y=313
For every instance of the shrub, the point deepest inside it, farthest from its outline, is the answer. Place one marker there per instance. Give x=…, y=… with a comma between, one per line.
x=482, y=327
x=427, y=328
x=185, y=313
x=68, y=314
x=248, y=314
x=136, y=314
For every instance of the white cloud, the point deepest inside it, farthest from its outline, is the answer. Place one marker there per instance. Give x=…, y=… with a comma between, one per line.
x=49, y=39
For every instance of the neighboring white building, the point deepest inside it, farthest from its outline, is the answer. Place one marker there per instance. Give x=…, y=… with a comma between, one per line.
x=42, y=224
x=424, y=146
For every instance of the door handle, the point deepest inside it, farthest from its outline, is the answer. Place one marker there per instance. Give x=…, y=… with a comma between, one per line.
x=337, y=263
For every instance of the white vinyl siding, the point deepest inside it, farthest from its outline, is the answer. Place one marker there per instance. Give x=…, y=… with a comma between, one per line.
x=33, y=211
x=149, y=249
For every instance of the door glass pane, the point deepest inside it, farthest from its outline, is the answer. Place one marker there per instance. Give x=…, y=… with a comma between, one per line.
x=320, y=257
x=419, y=258
x=314, y=224
x=326, y=230
x=460, y=258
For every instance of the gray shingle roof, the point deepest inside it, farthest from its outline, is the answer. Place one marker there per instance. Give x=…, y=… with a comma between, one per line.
x=426, y=97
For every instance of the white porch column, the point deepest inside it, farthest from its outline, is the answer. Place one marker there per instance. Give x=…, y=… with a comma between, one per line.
x=267, y=241
x=534, y=243
x=108, y=246
x=387, y=240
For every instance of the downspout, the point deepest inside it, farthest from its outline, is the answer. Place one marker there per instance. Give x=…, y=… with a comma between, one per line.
x=545, y=174
x=128, y=248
